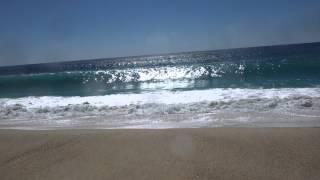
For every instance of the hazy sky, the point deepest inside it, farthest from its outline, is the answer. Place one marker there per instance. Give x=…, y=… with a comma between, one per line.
x=34, y=31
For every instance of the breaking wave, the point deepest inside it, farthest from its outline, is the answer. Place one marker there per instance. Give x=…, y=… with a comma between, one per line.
x=262, y=86
x=143, y=79
x=163, y=109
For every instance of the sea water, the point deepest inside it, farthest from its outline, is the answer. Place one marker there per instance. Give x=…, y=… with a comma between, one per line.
x=253, y=87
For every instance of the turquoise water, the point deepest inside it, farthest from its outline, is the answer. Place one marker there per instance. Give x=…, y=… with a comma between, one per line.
x=275, y=86
x=263, y=67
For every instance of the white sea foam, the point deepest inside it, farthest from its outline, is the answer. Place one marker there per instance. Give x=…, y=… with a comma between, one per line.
x=155, y=73
x=163, y=97
x=200, y=108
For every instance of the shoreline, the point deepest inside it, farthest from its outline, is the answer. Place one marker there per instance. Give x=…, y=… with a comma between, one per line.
x=199, y=153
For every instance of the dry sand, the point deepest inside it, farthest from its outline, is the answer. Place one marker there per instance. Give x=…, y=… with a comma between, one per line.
x=218, y=153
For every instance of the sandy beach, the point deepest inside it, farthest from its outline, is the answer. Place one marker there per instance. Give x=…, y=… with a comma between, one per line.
x=216, y=153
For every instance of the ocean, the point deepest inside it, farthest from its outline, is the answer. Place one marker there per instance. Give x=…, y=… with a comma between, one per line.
x=271, y=86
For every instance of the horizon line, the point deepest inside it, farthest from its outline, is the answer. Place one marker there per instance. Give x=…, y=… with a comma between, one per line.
x=159, y=54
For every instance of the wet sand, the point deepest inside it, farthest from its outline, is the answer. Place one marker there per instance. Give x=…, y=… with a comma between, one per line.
x=216, y=153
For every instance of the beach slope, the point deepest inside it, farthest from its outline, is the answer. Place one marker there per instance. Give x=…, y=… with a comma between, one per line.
x=213, y=153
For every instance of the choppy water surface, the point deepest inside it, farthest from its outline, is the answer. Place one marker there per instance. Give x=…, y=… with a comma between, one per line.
x=264, y=86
